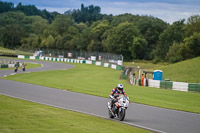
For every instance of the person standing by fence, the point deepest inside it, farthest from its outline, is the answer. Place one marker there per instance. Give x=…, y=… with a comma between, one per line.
x=142, y=79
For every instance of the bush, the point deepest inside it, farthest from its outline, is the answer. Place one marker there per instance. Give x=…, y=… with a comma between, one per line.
x=173, y=55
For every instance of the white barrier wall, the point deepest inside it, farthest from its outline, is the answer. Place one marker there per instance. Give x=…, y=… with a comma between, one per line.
x=41, y=58
x=180, y=86
x=98, y=63
x=88, y=62
x=58, y=59
x=21, y=56
x=32, y=57
x=106, y=64
x=114, y=66
x=54, y=59
x=11, y=65
x=154, y=83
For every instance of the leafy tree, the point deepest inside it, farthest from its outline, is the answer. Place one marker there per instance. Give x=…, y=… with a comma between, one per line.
x=11, y=18
x=138, y=48
x=120, y=38
x=11, y=35
x=193, y=25
x=193, y=43
x=69, y=37
x=59, y=41
x=116, y=20
x=50, y=42
x=151, y=28
x=174, y=33
x=174, y=55
x=30, y=42
x=189, y=49
x=87, y=14
x=61, y=24
x=82, y=39
x=6, y=6
x=98, y=28
x=35, y=24
x=11, y=29
x=28, y=9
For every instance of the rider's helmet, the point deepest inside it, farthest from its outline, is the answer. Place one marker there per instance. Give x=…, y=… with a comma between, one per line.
x=120, y=87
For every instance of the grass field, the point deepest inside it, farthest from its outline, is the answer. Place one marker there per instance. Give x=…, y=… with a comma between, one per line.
x=185, y=71
x=19, y=116
x=28, y=66
x=6, y=51
x=145, y=64
x=96, y=80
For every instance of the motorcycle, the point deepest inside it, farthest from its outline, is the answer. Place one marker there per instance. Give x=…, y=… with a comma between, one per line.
x=16, y=68
x=23, y=68
x=119, y=107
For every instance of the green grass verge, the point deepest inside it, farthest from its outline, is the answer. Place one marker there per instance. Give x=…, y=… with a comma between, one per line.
x=185, y=71
x=6, y=51
x=99, y=81
x=28, y=66
x=19, y=116
x=145, y=64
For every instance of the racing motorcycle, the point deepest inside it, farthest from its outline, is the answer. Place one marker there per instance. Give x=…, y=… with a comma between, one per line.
x=23, y=68
x=119, y=107
x=16, y=68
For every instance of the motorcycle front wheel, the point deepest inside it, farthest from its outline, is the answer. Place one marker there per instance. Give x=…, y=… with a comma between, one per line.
x=121, y=114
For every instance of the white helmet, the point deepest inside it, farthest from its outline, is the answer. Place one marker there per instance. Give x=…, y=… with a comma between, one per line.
x=120, y=86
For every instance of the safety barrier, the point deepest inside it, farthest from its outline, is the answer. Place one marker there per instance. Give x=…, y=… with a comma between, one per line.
x=166, y=84
x=4, y=66
x=9, y=65
x=178, y=86
x=154, y=83
x=98, y=63
x=194, y=87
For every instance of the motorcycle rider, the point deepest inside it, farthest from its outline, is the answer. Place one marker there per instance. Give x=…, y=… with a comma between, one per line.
x=23, y=67
x=16, y=68
x=115, y=94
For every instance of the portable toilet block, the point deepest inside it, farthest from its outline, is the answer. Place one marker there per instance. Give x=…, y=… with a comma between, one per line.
x=158, y=75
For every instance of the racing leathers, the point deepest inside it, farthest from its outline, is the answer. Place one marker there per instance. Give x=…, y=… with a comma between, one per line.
x=115, y=94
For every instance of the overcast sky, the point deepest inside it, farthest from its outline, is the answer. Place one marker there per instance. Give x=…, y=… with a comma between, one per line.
x=167, y=10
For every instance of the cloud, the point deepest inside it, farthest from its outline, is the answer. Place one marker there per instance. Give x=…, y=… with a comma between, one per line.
x=165, y=11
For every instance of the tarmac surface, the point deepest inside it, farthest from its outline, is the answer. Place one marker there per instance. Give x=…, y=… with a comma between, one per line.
x=148, y=117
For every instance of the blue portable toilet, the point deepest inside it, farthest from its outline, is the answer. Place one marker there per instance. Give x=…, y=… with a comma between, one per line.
x=40, y=53
x=158, y=75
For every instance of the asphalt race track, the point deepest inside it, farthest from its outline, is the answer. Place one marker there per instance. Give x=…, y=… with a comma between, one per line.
x=147, y=117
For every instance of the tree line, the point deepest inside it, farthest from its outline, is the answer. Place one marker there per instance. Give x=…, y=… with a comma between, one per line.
x=86, y=29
